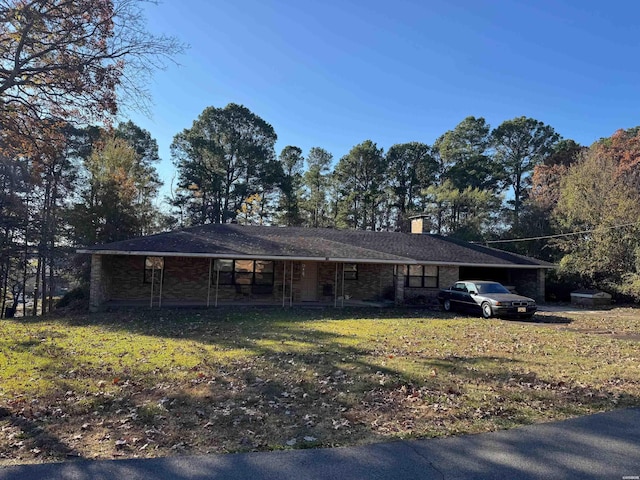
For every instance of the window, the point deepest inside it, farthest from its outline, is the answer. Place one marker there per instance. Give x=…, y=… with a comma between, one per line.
x=460, y=287
x=422, y=276
x=243, y=272
x=223, y=271
x=350, y=271
x=263, y=273
x=152, y=268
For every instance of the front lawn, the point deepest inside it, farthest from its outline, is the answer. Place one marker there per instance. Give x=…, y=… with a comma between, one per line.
x=156, y=383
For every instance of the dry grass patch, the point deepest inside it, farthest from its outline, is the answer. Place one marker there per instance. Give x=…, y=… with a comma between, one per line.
x=145, y=384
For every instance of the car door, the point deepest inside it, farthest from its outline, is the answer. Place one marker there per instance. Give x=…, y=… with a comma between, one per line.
x=473, y=299
x=458, y=292
x=466, y=300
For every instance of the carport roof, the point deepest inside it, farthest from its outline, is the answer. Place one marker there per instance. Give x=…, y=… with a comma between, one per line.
x=261, y=242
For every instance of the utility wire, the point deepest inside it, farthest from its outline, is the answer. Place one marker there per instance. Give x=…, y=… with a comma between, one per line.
x=556, y=235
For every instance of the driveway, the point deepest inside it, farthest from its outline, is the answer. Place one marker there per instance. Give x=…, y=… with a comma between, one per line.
x=601, y=446
x=559, y=309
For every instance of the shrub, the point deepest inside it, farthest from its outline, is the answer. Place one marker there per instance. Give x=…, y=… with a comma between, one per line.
x=75, y=300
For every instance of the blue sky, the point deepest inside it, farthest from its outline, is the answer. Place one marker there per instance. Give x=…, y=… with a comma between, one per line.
x=335, y=73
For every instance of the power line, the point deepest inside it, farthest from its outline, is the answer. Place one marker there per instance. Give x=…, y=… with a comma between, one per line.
x=556, y=235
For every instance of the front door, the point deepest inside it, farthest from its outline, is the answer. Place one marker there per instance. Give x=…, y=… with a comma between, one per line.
x=309, y=282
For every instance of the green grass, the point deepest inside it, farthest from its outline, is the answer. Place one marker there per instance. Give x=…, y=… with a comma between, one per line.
x=152, y=383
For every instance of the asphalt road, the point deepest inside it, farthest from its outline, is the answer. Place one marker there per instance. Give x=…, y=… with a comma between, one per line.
x=602, y=446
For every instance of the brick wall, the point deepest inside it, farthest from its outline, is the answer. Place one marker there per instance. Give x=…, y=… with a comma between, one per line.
x=529, y=283
x=401, y=275
x=372, y=282
x=100, y=282
x=186, y=278
x=327, y=287
x=447, y=275
x=542, y=286
x=121, y=277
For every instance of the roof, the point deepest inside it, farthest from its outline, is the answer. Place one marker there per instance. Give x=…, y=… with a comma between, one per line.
x=298, y=243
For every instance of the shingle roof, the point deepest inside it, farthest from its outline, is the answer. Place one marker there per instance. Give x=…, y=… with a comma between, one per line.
x=236, y=241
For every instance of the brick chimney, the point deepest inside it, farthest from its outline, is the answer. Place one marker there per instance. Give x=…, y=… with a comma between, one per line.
x=419, y=225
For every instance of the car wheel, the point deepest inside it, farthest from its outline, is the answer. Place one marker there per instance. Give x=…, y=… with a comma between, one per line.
x=446, y=305
x=487, y=312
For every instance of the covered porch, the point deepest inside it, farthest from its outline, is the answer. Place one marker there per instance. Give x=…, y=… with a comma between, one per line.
x=204, y=281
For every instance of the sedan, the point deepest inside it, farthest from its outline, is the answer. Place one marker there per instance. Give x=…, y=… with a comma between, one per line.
x=488, y=298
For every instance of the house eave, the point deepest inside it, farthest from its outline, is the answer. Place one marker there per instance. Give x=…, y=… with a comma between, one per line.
x=490, y=265
x=237, y=256
x=399, y=261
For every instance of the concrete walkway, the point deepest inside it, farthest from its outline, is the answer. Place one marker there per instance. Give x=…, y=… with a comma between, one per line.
x=602, y=446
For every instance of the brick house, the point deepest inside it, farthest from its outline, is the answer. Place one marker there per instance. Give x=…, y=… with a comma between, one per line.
x=217, y=264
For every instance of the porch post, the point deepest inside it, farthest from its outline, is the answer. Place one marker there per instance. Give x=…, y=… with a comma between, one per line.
x=217, y=283
x=291, y=287
x=153, y=274
x=342, y=285
x=284, y=283
x=161, y=281
x=335, y=288
x=209, y=282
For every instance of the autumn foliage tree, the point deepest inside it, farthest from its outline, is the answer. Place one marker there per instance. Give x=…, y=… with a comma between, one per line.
x=623, y=147
x=66, y=60
x=536, y=220
x=63, y=64
x=107, y=212
x=599, y=200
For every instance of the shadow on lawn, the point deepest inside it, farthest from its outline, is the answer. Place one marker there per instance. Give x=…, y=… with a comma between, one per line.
x=295, y=387
x=258, y=401
x=546, y=318
x=606, y=443
x=33, y=436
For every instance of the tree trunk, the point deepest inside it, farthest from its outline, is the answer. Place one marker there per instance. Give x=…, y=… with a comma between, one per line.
x=516, y=204
x=5, y=283
x=44, y=240
x=25, y=266
x=52, y=238
x=36, y=288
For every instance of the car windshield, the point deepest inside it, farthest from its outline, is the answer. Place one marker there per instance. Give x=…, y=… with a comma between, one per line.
x=491, y=288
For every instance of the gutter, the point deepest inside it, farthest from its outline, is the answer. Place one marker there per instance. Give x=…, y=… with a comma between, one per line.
x=399, y=261
x=487, y=265
x=227, y=256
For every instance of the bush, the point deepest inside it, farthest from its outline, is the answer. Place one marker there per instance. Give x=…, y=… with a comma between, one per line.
x=629, y=290
x=75, y=300
x=559, y=287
